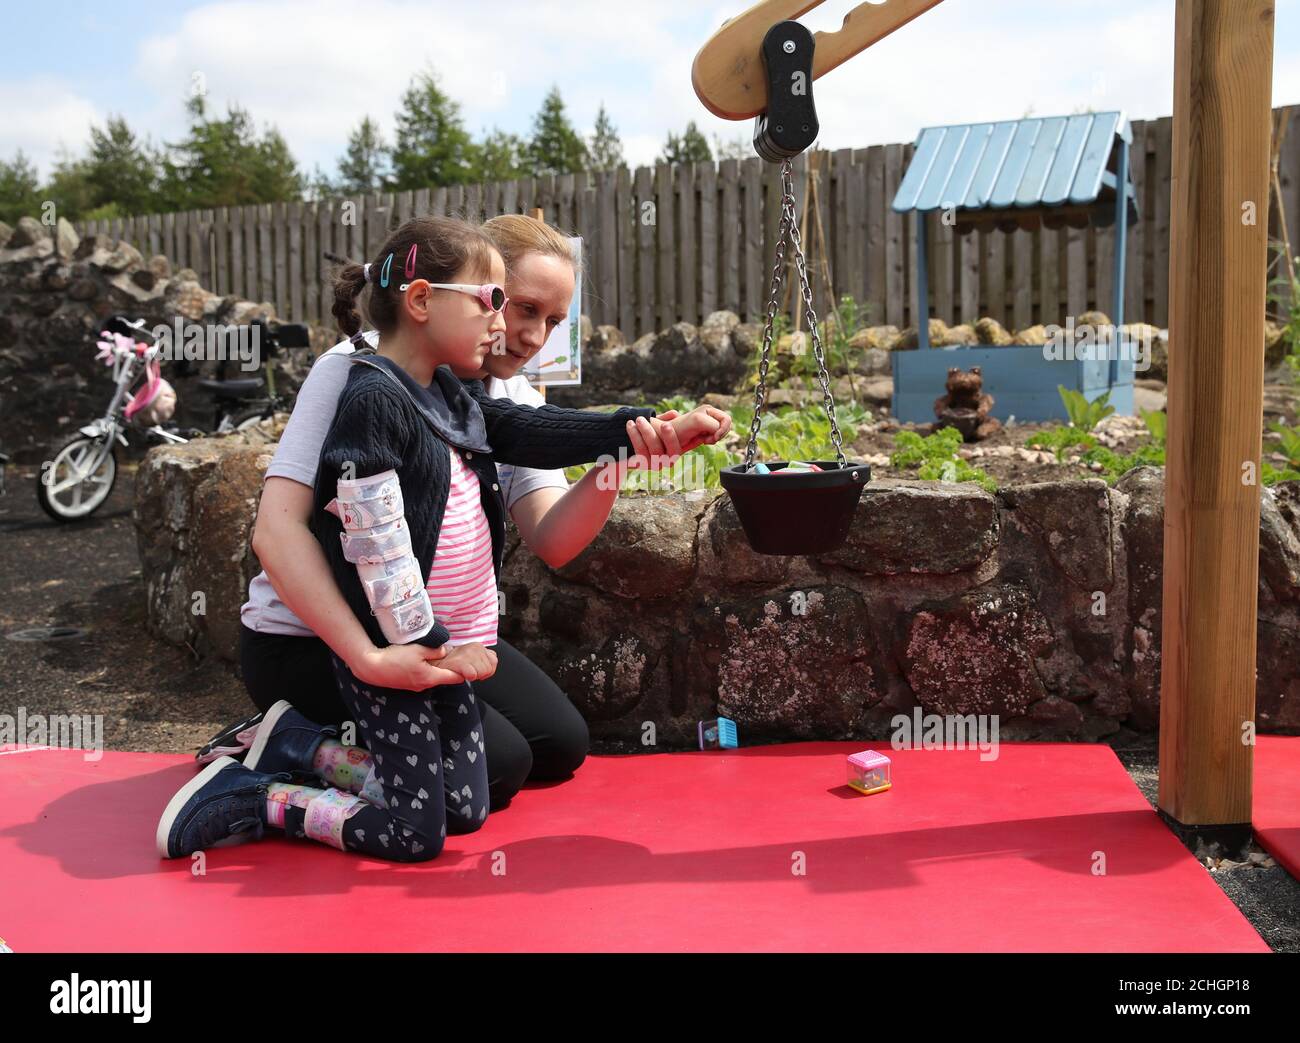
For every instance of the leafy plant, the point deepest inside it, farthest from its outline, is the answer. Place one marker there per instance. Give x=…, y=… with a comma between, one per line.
x=1285, y=292
x=935, y=458
x=1156, y=421
x=1083, y=414
x=1290, y=448
x=1115, y=464
x=1059, y=439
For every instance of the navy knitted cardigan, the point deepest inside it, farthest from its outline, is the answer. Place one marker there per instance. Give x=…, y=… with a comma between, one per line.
x=385, y=419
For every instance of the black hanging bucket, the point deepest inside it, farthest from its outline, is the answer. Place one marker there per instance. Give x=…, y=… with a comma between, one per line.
x=806, y=513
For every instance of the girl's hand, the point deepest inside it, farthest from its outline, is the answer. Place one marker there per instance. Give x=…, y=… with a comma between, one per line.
x=471, y=662
x=404, y=666
x=660, y=440
x=704, y=425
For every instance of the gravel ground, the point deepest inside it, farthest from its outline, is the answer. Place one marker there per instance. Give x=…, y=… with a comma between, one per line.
x=158, y=698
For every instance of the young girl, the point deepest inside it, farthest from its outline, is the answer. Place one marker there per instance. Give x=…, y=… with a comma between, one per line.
x=410, y=518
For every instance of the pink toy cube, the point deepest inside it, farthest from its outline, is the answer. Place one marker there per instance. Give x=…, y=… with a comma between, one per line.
x=869, y=771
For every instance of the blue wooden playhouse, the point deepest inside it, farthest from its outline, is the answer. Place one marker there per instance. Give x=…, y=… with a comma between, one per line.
x=1062, y=170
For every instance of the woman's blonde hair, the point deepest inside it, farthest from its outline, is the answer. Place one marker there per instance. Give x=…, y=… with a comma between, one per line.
x=518, y=234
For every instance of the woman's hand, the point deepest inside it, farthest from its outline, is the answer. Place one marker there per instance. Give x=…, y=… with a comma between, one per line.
x=416, y=667
x=403, y=666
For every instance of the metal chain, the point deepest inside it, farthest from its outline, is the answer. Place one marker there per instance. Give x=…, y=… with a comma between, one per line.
x=789, y=232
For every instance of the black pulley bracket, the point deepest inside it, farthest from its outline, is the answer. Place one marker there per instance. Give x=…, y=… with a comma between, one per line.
x=790, y=123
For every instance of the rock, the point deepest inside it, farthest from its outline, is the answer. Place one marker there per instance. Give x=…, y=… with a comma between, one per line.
x=715, y=333
x=160, y=267
x=122, y=258
x=584, y=328
x=83, y=290
x=1030, y=335
x=66, y=239
x=187, y=275
x=188, y=299
x=747, y=338
x=1142, y=535
x=974, y=653
x=28, y=233
x=6, y=230
x=990, y=331
x=609, y=683
x=907, y=339
x=774, y=660
x=1279, y=540
x=963, y=335
x=1148, y=400
x=920, y=528
x=875, y=361
x=1095, y=319
x=1073, y=521
x=874, y=338
x=645, y=550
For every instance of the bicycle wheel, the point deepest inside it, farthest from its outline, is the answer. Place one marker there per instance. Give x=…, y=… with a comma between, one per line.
x=65, y=491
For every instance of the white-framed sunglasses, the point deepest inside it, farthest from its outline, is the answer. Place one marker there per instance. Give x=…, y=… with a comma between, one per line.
x=490, y=294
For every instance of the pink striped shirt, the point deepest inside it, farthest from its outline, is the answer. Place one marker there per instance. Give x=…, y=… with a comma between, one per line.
x=462, y=584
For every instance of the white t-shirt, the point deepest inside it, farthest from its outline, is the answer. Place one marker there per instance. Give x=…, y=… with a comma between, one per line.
x=298, y=455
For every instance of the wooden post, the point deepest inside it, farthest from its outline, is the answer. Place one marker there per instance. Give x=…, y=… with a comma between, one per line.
x=1223, y=61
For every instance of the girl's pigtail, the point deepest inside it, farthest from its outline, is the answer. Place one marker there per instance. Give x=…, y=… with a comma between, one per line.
x=348, y=284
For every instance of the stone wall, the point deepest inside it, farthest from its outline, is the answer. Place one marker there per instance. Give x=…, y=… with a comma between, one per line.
x=1040, y=604
x=55, y=292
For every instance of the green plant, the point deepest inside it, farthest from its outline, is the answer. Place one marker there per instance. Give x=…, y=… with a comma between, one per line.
x=1290, y=448
x=1114, y=464
x=1083, y=414
x=1285, y=292
x=935, y=458
x=1156, y=421
x=1059, y=439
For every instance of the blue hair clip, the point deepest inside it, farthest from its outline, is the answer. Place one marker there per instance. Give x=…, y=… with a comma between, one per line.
x=383, y=272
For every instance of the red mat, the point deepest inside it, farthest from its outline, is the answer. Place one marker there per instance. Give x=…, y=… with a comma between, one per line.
x=1276, y=799
x=756, y=849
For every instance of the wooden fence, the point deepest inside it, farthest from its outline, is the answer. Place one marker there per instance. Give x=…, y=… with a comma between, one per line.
x=672, y=243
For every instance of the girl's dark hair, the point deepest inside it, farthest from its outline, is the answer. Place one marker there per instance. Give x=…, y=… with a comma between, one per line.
x=444, y=246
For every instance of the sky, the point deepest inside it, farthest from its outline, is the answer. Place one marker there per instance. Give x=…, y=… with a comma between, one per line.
x=314, y=68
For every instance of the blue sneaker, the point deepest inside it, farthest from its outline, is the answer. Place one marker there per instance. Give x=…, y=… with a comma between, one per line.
x=286, y=741
x=224, y=803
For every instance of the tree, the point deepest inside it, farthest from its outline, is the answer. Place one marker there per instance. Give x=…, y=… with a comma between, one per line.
x=502, y=157
x=364, y=167
x=121, y=170
x=691, y=147
x=555, y=147
x=19, y=189
x=433, y=147
x=606, y=149
x=116, y=178
x=736, y=148
x=224, y=162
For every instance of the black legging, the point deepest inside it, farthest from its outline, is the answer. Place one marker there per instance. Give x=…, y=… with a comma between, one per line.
x=531, y=729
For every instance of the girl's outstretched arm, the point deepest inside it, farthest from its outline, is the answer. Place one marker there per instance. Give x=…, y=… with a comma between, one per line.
x=549, y=437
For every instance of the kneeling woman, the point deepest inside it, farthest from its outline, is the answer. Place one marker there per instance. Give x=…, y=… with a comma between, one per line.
x=406, y=470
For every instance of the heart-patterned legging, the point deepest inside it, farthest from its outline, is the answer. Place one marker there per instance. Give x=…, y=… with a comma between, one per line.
x=428, y=752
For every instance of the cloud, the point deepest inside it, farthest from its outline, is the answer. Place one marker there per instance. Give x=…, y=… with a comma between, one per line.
x=44, y=117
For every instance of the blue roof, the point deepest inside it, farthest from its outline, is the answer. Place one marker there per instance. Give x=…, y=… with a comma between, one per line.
x=1019, y=168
